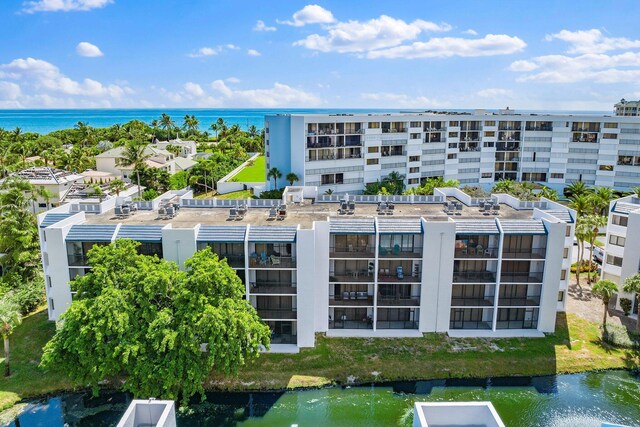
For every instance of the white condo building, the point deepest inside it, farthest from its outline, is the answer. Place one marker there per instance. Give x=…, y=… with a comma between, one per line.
x=344, y=152
x=365, y=266
x=622, y=253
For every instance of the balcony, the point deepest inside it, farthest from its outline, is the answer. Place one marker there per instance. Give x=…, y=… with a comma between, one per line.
x=486, y=301
x=277, y=314
x=528, y=301
x=524, y=253
x=393, y=276
x=234, y=260
x=391, y=153
x=474, y=277
x=350, y=276
x=351, y=251
x=316, y=144
x=264, y=287
x=521, y=277
x=256, y=261
x=507, y=146
x=361, y=298
x=433, y=137
x=397, y=252
x=77, y=260
x=351, y=324
x=398, y=300
x=397, y=324
x=394, y=130
x=585, y=137
x=476, y=252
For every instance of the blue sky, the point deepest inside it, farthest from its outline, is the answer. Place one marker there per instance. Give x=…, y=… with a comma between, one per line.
x=542, y=55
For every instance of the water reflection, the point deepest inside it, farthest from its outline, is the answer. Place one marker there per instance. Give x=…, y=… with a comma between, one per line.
x=556, y=401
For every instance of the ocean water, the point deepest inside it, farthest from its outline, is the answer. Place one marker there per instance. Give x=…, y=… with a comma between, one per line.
x=44, y=121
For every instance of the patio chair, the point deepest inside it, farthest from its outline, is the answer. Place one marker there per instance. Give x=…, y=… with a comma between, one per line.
x=272, y=214
x=399, y=272
x=345, y=295
x=382, y=251
x=361, y=295
x=352, y=295
x=396, y=249
x=487, y=252
x=275, y=260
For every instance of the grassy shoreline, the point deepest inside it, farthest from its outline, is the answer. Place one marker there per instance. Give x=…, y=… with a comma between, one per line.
x=574, y=348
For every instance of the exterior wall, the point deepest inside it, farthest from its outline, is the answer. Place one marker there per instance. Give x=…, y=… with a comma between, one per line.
x=306, y=284
x=553, y=265
x=321, y=289
x=108, y=164
x=178, y=244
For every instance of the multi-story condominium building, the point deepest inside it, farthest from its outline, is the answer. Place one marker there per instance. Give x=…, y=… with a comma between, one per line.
x=627, y=108
x=622, y=256
x=344, y=152
x=373, y=266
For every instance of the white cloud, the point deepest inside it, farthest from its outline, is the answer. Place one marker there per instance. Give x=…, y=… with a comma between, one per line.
x=398, y=100
x=63, y=5
x=44, y=76
x=9, y=91
x=310, y=14
x=280, y=95
x=261, y=26
x=193, y=89
x=253, y=52
x=356, y=36
x=592, y=41
x=232, y=80
x=443, y=47
x=89, y=50
x=495, y=93
x=470, y=32
x=523, y=65
x=211, y=51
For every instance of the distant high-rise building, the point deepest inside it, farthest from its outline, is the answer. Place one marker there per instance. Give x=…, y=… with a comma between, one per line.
x=627, y=108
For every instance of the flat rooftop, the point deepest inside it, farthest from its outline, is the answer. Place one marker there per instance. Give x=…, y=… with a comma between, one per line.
x=302, y=215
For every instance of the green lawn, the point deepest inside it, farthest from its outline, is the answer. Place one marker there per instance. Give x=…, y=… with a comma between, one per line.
x=242, y=194
x=254, y=173
x=574, y=348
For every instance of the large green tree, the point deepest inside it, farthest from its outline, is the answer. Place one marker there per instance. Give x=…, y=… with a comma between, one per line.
x=134, y=155
x=161, y=331
x=604, y=289
x=10, y=317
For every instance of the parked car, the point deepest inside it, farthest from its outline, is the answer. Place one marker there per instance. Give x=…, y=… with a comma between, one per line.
x=598, y=254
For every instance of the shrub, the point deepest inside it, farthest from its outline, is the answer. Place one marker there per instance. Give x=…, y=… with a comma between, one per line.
x=585, y=267
x=619, y=336
x=625, y=305
x=29, y=296
x=149, y=194
x=272, y=194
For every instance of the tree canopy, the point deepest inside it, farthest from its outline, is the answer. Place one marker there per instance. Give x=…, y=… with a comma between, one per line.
x=158, y=329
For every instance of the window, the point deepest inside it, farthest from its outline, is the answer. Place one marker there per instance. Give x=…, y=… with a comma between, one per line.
x=51, y=305
x=414, y=170
x=487, y=175
x=371, y=150
x=415, y=136
x=557, y=176
x=454, y=124
x=568, y=232
x=619, y=220
x=452, y=156
x=453, y=145
x=49, y=281
x=563, y=275
x=610, y=125
x=489, y=144
x=374, y=125
x=490, y=123
x=617, y=240
x=42, y=205
x=609, y=136
x=414, y=158
x=605, y=167
x=453, y=134
x=372, y=161
x=565, y=253
x=614, y=260
x=561, y=296
x=415, y=124
x=414, y=181
x=489, y=134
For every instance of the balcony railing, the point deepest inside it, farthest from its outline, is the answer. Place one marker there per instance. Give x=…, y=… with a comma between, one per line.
x=528, y=301
x=351, y=276
x=351, y=299
x=351, y=251
x=474, y=277
x=521, y=278
x=396, y=278
x=397, y=252
x=394, y=153
x=476, y=252
x=234, y=260
x=396, y=324
x=78, y=260
x=472, y=302
x=321, y=144
x=398, y=300
x=524, y=253
x=366, y=323
x=277, y=314
x=394, y=130
x=273, y=288
x=272, y=262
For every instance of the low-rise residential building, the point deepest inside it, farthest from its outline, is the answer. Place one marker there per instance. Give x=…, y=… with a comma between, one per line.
x=344, y=152
x=158, y=158
x=57, y=182
x=365, y=266
x=187, y=148
x=627, y=108
x=622, y=256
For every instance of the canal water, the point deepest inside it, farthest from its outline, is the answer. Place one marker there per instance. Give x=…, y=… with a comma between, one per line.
x=556, y=401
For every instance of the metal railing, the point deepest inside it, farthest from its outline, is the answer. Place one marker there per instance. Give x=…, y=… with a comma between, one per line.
x=273, y=288
x=394, y=252
x=351, y=251
x=474, y=277
x=277, y=314
x=487, y=301
x=524, y=253
x=396, y=324
x=77, y=260
x=398, y=300
x=521, y=278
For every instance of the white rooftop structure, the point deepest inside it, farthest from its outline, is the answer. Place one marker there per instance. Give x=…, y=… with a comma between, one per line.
x=149, y=413
x=459, y=414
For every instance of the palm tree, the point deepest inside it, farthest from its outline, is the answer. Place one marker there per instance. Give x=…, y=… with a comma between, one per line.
x=214, y=128
x=328, y=192
x=167, y=124
x=175, y=149
x=395, y=182
x=117, y=185
x=576, y=188
x=96, y=191
x=10, y=318
x=222, y=126
x=154, y=126
x=604, y=289
x=594, y=222
x=504, y=186
x=581, y=234
x=85, y=132
x=635, y=191
x=253, y=131
x=581, y=203
x=632, y=285
x=275, y=174
x=602, y=196
x=134, y=155
x=548, y=193
x=292, y=177
x=190, y=123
